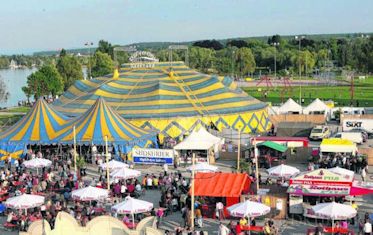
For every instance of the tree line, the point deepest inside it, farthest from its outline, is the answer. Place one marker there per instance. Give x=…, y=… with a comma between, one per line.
x=234, y=57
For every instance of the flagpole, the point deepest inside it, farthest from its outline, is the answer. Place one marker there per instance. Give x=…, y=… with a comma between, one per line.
x=75, y=167
x=192, y=201
x=256, y=166
x=107, y=164
x=239, y=151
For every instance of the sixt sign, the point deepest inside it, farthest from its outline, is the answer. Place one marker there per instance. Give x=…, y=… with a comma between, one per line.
x=354, y=124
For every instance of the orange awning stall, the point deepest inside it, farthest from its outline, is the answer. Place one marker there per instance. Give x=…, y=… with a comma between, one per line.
x=221, y=184
x=227, y=185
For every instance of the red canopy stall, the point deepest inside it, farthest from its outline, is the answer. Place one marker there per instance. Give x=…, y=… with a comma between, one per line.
x=222, y=185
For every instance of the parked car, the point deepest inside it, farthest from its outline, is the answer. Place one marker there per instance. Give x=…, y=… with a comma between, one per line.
x=320, y=132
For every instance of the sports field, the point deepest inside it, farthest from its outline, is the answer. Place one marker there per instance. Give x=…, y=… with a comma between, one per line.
x=363, y=93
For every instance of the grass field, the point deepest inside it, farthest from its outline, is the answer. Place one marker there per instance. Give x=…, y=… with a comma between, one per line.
x=21, y=109
x=363, y=93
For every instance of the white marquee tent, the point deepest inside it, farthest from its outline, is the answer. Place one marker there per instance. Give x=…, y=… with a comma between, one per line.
x=199, y=140
x=290, y=106
x=317, y=106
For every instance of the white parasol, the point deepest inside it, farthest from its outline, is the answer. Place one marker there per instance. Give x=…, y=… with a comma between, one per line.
x=37, y=163
x=24, y=201
x=90, y=194
x=342, y=171
x=203, y=167
x=282, y=171
x=125, y=173
x=249, y=209
x=334, y=211
x=132, y=206
x=114, y=165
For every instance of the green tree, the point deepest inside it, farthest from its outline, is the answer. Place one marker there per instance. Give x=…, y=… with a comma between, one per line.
x=27, y=92
x=306, y=60
x=105, y=47
x=201, y=58
x=63, y=52
x=245, y=61
x=102, y=64
x=46, y=81
x=70, y=69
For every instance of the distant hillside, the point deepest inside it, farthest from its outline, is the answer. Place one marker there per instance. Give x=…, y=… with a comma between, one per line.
x=164, y=45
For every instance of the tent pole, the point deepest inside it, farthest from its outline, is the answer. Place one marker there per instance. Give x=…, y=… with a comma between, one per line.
x=75, y=167
x=238, y=150
x=107, y=164
x=256, y=167
x=192, y=201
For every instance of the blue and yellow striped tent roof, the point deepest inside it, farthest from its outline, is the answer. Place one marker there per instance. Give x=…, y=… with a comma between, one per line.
x=38, y=126
x=101, y=121
x=159, y=92
x=14, y=151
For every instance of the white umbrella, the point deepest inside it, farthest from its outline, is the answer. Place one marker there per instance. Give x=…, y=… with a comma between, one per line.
x=249, y=209
x=125, y=173
x=282, y=171
x=24, y=201
x=90, y=194
x=132, y=206
x=203, y=167
x=37, y=163
x=342, y=171
x=334, y=211
x=114, y=165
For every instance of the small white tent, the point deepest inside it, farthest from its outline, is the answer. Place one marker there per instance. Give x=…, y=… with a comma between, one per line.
x=290, y=106
x=201, y=140
x=317, y=106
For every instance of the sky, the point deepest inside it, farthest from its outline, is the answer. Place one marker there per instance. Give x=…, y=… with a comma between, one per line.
x=34, y=25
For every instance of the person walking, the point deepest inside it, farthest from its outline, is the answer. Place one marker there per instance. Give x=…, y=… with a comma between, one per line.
x=367, y=229
x=363, y=174
x=223, y=230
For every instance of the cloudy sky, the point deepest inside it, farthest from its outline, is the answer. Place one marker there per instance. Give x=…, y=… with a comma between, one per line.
x=33, y=25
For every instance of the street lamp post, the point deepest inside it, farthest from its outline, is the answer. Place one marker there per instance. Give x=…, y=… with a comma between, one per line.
x=299, y=38
x=89, y=44
x=275, y=44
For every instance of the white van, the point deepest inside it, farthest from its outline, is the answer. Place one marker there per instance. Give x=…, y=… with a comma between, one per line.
x=355, y=137
x=363, y=124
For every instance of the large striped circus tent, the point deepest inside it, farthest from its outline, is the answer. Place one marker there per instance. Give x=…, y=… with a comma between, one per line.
x=101, y=122
x=39, y=126
x=169, y=97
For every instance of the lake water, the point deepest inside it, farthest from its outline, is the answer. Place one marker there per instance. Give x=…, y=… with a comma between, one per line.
x=14, y=79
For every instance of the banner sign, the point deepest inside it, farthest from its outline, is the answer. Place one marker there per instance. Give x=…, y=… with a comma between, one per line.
x=153, y=156
x=319, y=190
x=321, y=177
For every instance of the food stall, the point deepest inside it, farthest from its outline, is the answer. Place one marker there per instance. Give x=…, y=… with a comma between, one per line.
x=220, y=187
x=312, y=187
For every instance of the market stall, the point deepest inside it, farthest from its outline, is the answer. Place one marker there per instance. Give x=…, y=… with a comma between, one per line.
x=334, y=145
x=270, y=153
x=220, y=187
x=203, y=143
x=312, y=187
